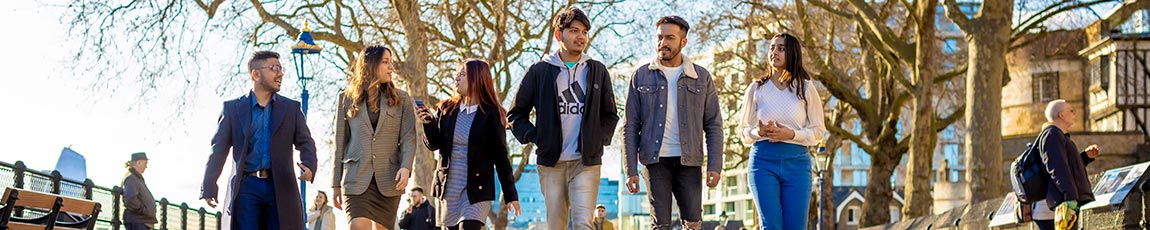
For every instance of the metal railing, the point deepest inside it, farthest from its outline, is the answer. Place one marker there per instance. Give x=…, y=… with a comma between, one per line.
x=170, y=216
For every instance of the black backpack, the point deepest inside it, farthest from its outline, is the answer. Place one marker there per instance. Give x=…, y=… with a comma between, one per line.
x=1028, y=175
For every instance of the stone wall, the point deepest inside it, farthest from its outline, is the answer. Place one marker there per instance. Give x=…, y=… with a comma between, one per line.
x=949, y=195
x=1130, y=215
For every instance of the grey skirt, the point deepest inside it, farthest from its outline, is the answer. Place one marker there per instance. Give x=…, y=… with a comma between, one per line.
x=373, y=205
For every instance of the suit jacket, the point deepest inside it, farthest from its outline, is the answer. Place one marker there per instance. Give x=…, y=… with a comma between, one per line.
x=487, y=153
x=288, y=128
x=362, y=151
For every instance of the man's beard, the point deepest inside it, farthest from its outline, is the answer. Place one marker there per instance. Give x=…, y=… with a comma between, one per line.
x=268, y=83
x=670, y=54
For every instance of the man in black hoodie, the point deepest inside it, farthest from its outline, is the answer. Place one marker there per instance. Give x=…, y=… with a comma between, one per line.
x=1067, y=166
x=139, y=205
x=575, y=116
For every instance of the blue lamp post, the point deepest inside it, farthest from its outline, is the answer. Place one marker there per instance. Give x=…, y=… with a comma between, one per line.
x=305, y=45
x=820, y=167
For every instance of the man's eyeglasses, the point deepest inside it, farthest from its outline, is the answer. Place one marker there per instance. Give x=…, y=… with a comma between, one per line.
x=277, y=68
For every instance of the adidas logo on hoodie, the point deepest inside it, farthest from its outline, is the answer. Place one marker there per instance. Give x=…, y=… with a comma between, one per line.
x=572, y=101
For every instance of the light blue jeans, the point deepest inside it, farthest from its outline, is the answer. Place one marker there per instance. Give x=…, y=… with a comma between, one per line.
x=569, y=192
x=780, y=181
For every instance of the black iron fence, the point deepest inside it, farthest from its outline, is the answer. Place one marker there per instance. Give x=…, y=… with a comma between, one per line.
x=170, y=216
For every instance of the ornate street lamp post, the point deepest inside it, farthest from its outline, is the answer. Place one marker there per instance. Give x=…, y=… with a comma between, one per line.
x=305, y=45
x=822, y=163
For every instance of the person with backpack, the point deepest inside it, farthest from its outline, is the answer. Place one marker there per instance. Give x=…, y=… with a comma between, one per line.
x=1068, y=186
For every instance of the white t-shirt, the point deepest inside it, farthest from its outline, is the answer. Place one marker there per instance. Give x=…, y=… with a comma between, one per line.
x=671, y=146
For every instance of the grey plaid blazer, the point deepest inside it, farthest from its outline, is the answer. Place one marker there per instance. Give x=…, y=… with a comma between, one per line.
x=361, y=151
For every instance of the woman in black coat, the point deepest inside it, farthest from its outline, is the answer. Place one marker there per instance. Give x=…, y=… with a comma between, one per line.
x=470, y=132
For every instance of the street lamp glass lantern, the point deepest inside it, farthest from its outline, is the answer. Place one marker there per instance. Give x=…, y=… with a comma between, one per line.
x=304, y=45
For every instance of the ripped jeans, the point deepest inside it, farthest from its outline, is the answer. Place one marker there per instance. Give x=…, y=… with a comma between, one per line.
x=669, y=177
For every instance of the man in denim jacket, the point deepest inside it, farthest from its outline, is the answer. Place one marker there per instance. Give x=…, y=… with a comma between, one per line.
x=671, y=107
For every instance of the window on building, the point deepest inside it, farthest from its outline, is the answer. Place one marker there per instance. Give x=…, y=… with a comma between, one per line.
x=852, y=215
x=843, y=156
x=952, y=152
x=1044, y=87
x=1100, y=72
x=860, y=177
x=955, y=175
x=732, y=186
x=858, y=156
x=729, y=206
x=709, y=209
x=948, y=133
x=750, y=209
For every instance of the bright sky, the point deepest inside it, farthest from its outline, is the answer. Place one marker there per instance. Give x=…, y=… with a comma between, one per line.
x=46, y=107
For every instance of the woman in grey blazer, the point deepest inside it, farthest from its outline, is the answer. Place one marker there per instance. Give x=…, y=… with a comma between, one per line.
x=375, y=142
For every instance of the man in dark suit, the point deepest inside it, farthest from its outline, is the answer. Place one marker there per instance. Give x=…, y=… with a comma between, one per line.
x=261, y=128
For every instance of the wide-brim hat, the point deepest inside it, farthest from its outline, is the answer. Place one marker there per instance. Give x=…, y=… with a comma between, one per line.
x=139, y=156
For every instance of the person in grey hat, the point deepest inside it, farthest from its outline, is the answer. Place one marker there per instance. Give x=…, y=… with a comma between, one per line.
x=139, y=205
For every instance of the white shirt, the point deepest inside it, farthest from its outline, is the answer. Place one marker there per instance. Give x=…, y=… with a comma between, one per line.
x=1042, y=211
x=468, y=108
x=671, y=146
x=766, y=102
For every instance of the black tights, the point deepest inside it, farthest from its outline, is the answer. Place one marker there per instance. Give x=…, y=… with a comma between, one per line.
x=467, y=225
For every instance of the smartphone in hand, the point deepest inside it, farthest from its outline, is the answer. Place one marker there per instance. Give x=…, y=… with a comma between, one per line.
x=422, y=111
x=420, y=106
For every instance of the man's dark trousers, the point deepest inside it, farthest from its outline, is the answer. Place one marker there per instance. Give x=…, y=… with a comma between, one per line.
x=671, y=177
x=255, y=205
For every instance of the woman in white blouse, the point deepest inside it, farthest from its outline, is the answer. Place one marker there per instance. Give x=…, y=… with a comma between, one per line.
x=783, y=117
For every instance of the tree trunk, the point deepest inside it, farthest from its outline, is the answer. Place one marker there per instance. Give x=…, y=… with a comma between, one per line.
x=989, y=39
x=414, y=71
x=918, y=197
x=879, y=192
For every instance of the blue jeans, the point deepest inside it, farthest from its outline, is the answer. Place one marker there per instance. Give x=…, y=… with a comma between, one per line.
x=255, y=205
x=780, y=181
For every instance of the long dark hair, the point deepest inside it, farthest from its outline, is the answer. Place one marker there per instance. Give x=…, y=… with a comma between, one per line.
x=793, y=75
x=364, y=85
x=481, y=87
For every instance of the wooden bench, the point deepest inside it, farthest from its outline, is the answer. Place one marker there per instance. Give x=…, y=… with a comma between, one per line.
x=54, y=205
